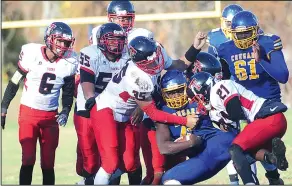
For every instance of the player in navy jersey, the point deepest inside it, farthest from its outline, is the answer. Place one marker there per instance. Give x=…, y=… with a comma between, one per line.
x=206, y=146
x=256, y=62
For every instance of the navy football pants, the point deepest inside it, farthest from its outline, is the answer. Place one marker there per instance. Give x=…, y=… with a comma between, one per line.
x=207, y=163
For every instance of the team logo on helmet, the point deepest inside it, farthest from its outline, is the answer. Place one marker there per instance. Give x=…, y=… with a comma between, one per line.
x=50, y=28
x=197, y=66
x=132, y=51
x=195, y=84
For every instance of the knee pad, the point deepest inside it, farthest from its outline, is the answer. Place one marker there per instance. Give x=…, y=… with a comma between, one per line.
x=171, y=182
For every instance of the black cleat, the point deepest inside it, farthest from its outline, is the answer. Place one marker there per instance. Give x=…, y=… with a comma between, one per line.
x=278, y=153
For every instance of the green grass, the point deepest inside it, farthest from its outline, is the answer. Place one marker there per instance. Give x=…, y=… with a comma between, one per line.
x=66, y=155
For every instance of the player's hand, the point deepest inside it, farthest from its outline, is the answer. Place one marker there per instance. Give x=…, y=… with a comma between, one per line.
x=137, y=116
x=192, y=120
x=3, y=118
x=90, y=103
x=62, y=118
x=256, y=51
x=200, y=40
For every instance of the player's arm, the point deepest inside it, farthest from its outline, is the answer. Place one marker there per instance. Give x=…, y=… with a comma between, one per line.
x=77, y=81
x=68, y=90
x=87, y=76
x=18, y=76
x=11, y=89
x=166, y=145
x=190, y=56
x=274, y=63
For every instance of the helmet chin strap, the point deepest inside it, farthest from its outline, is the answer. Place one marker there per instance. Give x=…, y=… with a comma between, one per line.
x=111, y=57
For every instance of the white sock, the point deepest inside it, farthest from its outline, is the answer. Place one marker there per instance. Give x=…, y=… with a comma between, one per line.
x=101, y=177
x=254, y=168
x=171, y=182
x=230, y=168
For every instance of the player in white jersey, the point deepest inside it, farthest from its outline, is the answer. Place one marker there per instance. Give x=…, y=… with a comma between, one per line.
x=260, y=139
x=46, y=69
x=131, y=87
x=98, y=63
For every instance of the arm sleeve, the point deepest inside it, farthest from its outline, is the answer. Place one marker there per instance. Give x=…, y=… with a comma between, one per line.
x=12, y=88
x=272, y=58
x=68, y=93
x=163, y=117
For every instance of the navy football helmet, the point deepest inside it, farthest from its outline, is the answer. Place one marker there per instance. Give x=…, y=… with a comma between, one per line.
x=227, y=14
x=198, y=90
x=244, y=29
x=59, y=38
x=123, y=13
x=173, y=89
x=111, y=39
x=207, y=63
x=146, y=54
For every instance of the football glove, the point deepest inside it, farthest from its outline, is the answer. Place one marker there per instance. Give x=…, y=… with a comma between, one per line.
x=62, y=118
x=3, y=118
x=90, y=103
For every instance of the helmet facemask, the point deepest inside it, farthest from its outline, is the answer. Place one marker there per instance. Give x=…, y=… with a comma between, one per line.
x=154, y=64
x=113, y=43
x=244, y=37
x=124, y=19
x=59, y=44
x=175, y=96
x=226, y=27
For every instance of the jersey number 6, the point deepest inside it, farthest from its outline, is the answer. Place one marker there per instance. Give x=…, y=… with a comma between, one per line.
x=45, y=87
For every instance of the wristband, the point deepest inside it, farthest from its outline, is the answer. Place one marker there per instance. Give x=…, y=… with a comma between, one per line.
x=191, y=54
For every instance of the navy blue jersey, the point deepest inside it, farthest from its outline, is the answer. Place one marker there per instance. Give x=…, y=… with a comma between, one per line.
x=256, y=77
x=204, y=128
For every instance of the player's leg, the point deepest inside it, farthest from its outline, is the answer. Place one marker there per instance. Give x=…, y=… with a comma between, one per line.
x=106, y=135
x=88, y=147
x=79, y=160
x=49, y=140
x=127, y=144
x=254, y=136
x=272, y=174
x=147, y=155
x=135, y=177
x=28, y=134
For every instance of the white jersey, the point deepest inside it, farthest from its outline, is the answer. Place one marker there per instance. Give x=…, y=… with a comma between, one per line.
x=129, y=84
x=92, y=60
x=225, y=90
x=44, y=79
x=93, y=39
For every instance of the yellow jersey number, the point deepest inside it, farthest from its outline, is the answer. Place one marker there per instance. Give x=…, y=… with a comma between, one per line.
x=240, y=70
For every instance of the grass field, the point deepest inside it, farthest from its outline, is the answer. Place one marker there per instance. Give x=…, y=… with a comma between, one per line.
x=66, y=154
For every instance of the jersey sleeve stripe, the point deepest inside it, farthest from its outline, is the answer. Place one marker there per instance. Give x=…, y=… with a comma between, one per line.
x=229, y=98
x=87, y=70
x=277, y=40
x=246, y=103
x=21, y=68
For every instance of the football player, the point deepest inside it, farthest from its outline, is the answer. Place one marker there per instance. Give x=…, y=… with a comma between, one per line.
x=154, y=161
x=98, y=64
x=256, y=62
x=267, y=123
x=220, y=35
x=112, y=109
x=45, y=69
x=205, y=145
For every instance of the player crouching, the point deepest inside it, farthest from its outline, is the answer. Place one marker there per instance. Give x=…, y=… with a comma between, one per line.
x=208, y=154
x=260, y=139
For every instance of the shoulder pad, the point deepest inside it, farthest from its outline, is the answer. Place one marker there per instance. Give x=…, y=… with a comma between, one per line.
x=31, y=46
x=270, y=42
